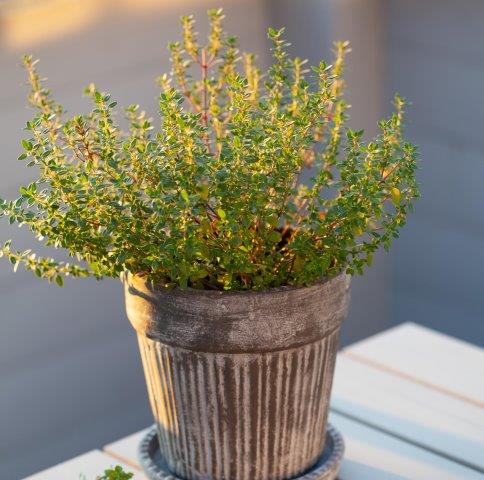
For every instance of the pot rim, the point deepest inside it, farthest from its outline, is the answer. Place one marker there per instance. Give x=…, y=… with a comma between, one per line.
x=126, y=276
x=239, y=322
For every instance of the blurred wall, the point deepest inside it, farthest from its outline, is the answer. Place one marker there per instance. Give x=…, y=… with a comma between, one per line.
x=435, y=56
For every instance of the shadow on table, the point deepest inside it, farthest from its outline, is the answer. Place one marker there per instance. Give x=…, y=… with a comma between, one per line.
x=368, y=472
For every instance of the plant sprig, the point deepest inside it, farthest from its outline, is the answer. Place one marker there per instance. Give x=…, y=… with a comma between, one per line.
x=213, y=198
x=116, y=473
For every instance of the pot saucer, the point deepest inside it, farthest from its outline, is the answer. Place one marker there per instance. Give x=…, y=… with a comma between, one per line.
x=326, y=468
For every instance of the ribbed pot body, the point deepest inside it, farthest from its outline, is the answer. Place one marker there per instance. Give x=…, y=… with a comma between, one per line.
x=239, y=383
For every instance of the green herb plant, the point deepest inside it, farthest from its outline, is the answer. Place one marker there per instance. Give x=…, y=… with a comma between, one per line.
x=116, y=473
x=251, y=180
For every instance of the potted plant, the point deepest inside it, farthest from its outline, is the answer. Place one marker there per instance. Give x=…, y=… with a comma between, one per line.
x=235, y=226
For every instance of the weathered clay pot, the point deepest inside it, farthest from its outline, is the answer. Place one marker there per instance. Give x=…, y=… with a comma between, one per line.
x=239, y=383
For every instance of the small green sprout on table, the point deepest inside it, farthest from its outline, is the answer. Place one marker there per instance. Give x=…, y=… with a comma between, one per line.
x=116, y=473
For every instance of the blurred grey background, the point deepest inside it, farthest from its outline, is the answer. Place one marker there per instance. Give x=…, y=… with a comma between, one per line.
x=70, y=375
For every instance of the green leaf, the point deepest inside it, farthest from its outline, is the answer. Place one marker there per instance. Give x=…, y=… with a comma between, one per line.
x=59, y=280
x=185, y=196
x=396, y=196
x=274, y=236
x=27, y=145
x=222, y=215
x=273, y=220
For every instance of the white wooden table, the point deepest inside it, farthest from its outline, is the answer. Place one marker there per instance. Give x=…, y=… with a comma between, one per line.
x=409, y=402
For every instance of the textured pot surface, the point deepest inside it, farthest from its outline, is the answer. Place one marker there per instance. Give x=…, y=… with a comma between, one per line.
x=239, y=383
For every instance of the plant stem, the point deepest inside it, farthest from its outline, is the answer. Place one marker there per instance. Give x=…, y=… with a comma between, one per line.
x=204, y=66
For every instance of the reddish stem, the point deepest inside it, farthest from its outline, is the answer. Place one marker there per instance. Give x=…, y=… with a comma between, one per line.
x=204, y=66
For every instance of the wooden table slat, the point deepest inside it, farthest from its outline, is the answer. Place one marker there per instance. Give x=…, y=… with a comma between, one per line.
x=429, y=357
x=417, y=413
x=373, y=455
x=126, y=449
x=88, y=466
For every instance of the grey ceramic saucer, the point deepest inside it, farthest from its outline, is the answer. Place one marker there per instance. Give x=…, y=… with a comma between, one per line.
x=326, y=467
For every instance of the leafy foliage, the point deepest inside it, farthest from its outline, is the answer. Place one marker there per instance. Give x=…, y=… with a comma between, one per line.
x=252, y=180
x=116, y=473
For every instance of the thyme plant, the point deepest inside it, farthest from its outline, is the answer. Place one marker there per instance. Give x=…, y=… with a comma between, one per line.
x=214, y=196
